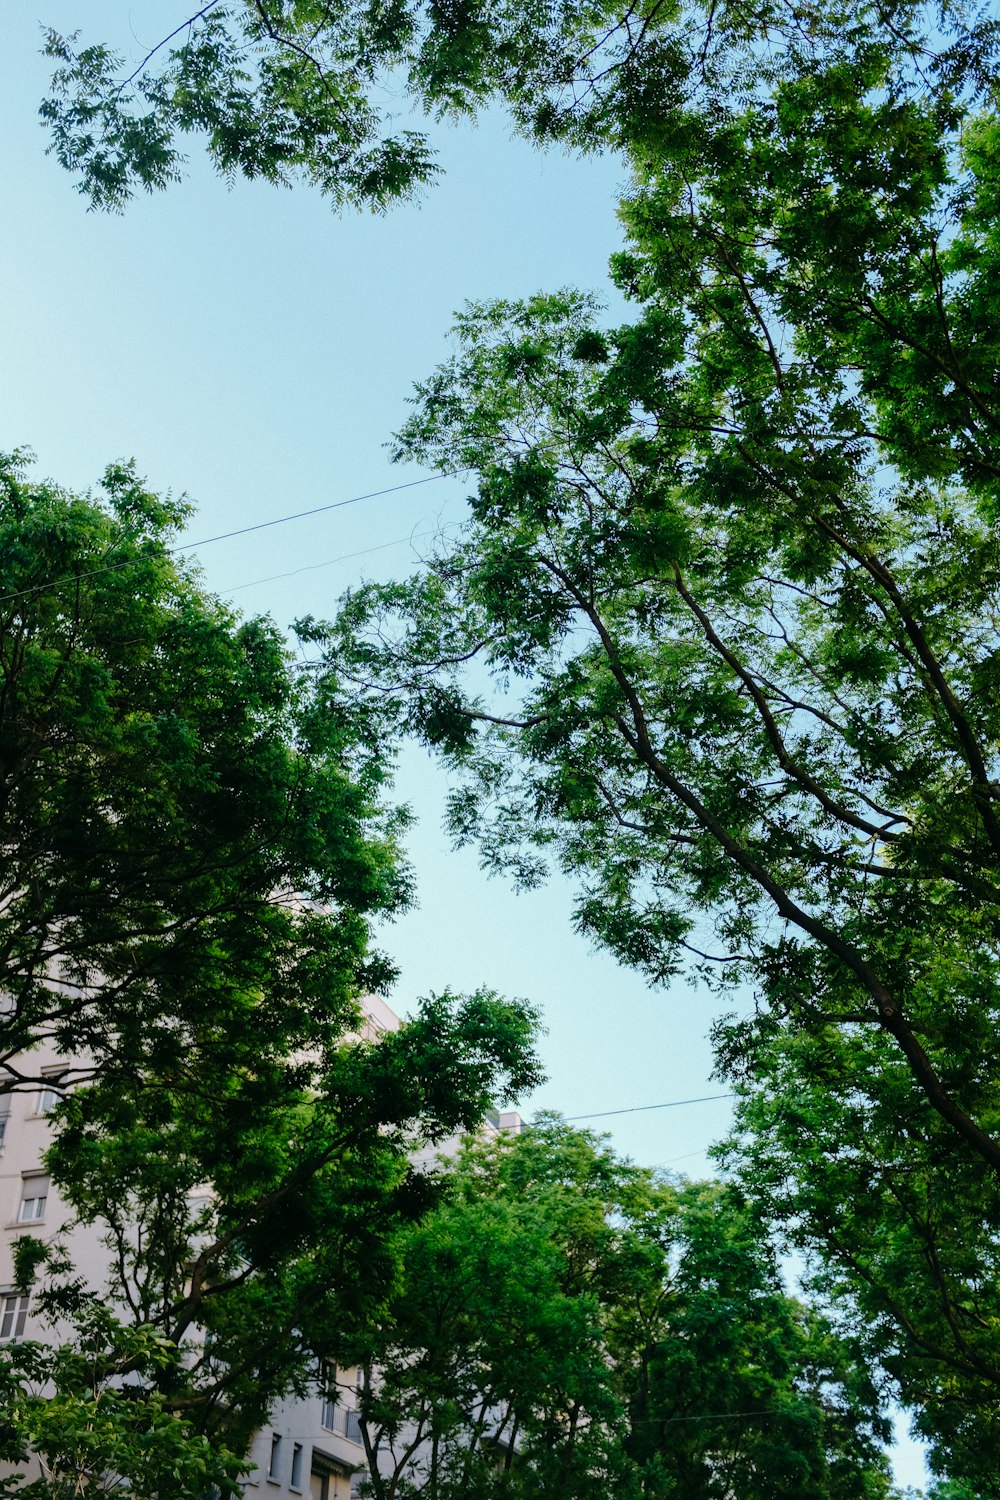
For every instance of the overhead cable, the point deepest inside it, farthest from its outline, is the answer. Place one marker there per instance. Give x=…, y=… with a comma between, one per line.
x=640, y=1108
x=225, y=536
x=330, y=561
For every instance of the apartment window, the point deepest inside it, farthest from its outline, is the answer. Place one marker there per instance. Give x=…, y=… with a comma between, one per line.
x=295, y=1482
x=328, y=1416
x=274, y=1467
x=48, y=1097
x=34, y=1195
x=13, y=1312
x=328, y=1395
x=3, y=1125
x=352, y=1426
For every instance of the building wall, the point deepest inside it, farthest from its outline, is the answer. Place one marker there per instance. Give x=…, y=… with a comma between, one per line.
x=26, y=1135
x=312, y=1446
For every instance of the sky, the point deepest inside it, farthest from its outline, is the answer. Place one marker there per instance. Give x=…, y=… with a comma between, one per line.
x=256, y=351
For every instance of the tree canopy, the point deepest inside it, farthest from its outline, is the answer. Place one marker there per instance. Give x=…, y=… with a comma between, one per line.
x=246, y=1235
x=570, y=1325
x=730, y=585
x=721, y=636
x=193, y=835
x=286, y=89
x=195, y=844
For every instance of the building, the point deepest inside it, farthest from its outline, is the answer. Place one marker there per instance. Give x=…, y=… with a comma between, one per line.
x=313, y=1445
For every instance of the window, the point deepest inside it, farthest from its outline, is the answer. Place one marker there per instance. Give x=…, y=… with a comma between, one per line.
x=296, y=1480
x=13, y=1311
x=274, y=1467
x=328, y=1395
x=3, y=1125
x=34, y=1195
x=328, y=1416
x=50, y=1096
x=352, y=1426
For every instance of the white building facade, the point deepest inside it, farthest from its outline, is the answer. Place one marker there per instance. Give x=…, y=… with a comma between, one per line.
x=312, y=1445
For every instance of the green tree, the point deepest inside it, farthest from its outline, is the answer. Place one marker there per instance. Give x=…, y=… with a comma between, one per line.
x=737, y=675
x=243, y=1239
x=193, y=835
x=807, y=400
x=736, y=684
x=894, y=1226
x=88, y=1435
x=281, y=89
x=567, y=1324
x=814, y=248
x=732, y=568
x=196, y=843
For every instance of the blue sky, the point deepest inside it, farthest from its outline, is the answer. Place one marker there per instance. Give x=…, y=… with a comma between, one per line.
x=255, y=350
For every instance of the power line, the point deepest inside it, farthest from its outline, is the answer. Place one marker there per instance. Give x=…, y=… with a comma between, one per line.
x=225, y=536
x=317, y=510
x=641, y=1108
x=671, y=1160
x=714, y=1416
x=345, y=557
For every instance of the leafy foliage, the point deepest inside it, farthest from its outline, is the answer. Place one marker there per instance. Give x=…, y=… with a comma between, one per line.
x=90, y=1437
x=731, y=585
x=245, y=1235
x=193, y=836
x=569, y=1325
x=195, y=843
x=278, y=89
x=894, y=1222
x=732, y=569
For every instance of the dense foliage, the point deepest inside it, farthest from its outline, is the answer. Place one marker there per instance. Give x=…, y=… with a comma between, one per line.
x=194, y=845
x=88, y=1436
x=721, y=636
x=569, y=1325
x=282, y=89
x=735, y=686
x=193, y=838
x=732, y=574
x=243, y=1236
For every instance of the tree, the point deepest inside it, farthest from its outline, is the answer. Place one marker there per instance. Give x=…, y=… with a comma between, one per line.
x=737, y=682
x=567, y=1324
x=811, y=379
x=894, y=1226
x=807, y=400
x=733, y=570
x=193, y=837
x=281, y=89
x=90, y=1435
x=243, y=1240
x=195, y=844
